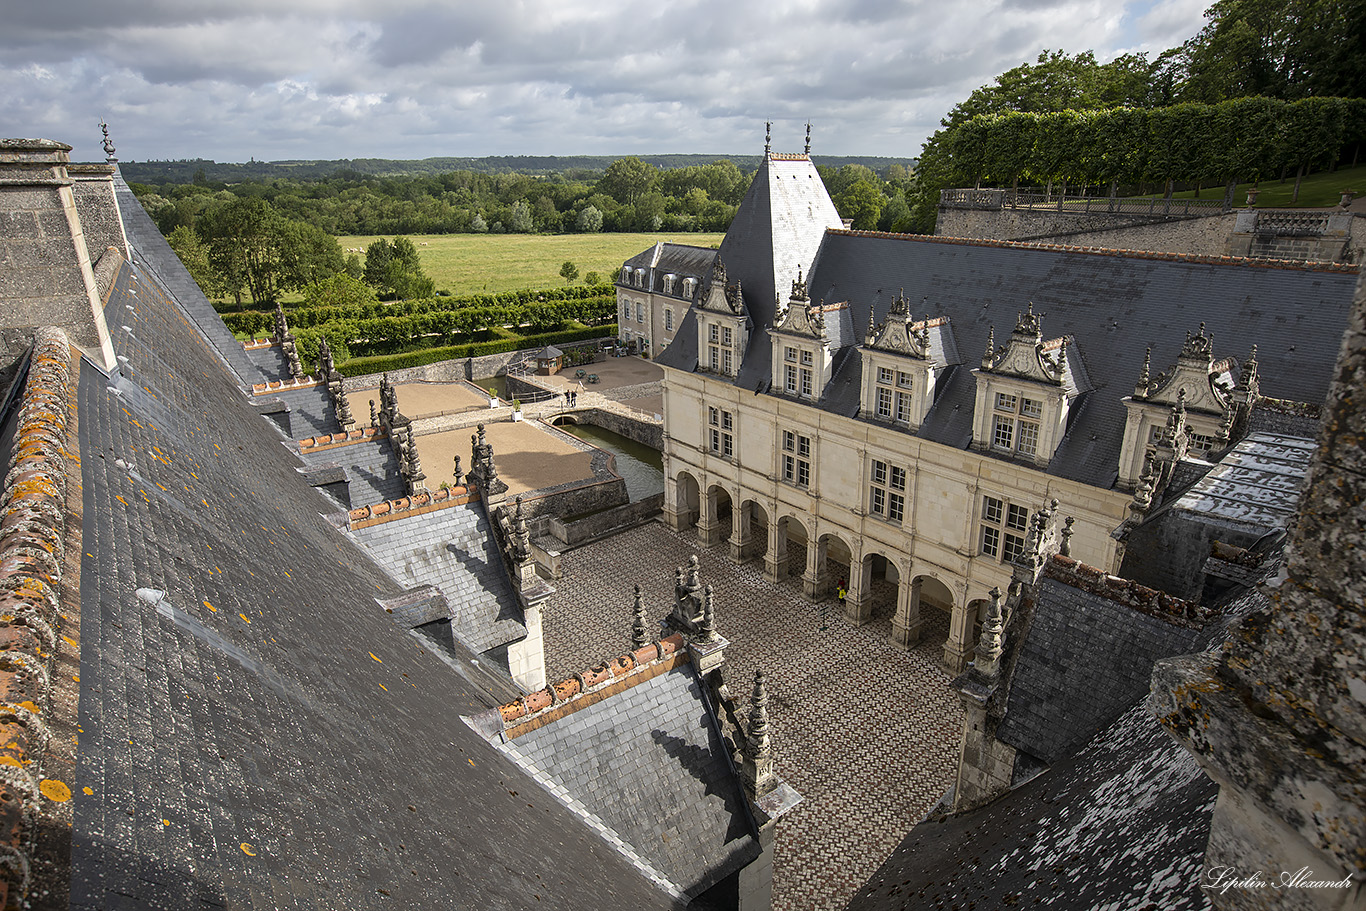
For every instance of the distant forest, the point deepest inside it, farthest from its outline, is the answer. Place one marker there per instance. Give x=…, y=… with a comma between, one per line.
x=627, y=194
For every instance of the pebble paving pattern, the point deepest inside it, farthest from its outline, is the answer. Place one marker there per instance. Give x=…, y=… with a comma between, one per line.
x=866, y=733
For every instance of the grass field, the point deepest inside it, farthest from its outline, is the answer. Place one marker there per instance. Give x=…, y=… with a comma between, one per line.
x=478, y=263
x=1321, y=189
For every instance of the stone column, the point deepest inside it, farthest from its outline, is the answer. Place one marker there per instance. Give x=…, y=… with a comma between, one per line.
x=709, y=529
x=907, y=623
x=813, y=580
x=775, y=558
x=959, y=645
x=741, y=542
x=858, y=601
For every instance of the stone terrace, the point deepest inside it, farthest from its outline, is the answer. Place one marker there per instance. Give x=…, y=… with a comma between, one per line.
x=867, y=734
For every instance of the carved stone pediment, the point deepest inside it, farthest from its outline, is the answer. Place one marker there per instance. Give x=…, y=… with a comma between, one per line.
x=1026, y=355
x=899, y=334
x=720, y=297
x=1207, y=386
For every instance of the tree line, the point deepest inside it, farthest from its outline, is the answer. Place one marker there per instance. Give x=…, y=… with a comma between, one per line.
x=1244, y=139
x=1249, y=55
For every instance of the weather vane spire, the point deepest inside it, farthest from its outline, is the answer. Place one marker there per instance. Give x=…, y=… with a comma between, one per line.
x=807, y=150
x=107, y=143
x=768, y=135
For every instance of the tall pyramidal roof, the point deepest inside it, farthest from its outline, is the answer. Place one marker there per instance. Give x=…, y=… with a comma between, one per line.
x=777, y=228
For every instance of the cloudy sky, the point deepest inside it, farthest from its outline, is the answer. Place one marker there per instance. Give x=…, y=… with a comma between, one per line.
x=275, y=79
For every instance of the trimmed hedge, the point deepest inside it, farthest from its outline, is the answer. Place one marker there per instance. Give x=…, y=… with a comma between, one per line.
x=362, y=366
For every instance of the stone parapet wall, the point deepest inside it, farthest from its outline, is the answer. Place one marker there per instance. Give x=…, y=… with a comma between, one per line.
x=594, y=526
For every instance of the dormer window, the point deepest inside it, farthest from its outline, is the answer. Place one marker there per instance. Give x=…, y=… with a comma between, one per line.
x=1025, y=391
x=1015, y=424
x=669, y=283
x=901, y=357
x=720, y=349
x=638, y=278
x=1214, y=408
x=689, y=286
x=626, y=273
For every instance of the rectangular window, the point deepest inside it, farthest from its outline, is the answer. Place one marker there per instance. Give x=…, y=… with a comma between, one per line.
x=714, y=333
x=722, y=425
x=884, y=375
x=806, y=382
x=883, y=480
x=727, y=364
x=997, y=532
x=806, y=358
x=1200, y=443
x=796, y=458
x=1002, y=432
x=640, y=313
x=668, y=320
x=790, y=354
x=1031, y=408
x=715, y=362
x=790, y=379
x=1005, y=402
x=903, y=379
x=726, y=335
x=884, y=402
x=1028, y=443
x=903, y=407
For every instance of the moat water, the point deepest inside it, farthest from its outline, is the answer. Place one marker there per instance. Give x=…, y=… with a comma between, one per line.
x=640, y=466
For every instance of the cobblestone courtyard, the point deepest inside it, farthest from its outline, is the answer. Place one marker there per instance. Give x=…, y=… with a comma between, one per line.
x=866, y=733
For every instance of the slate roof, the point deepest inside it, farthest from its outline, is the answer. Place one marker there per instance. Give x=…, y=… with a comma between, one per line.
x=682, y=260
x=650, y=763
x=1084, y=660
x=255, y=731
x=1256, y=486
x=1112, y=303
x=1120, y=825
x=454, y=550
x=372, y=474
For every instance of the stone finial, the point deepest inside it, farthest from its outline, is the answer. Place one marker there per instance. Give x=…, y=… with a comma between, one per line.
x=1030, y=323
x=415, y=473
x=326, y=365
x=107, y=143
x=640, y=631
x=872, y=325
x=1198, y=347
x=799, y=287
x=707, y=631
x=1225, y=431
x=768, y=135
x=296, y=368
x=1065, y=548
x=1144, y=374
x=374, y=418
x=989, y=643
x=989, y=356
x=694, y=582
x=759, y=743
x=457, y=461
x=807, y=149
x=343, y=409
x=1247, y=377
x=679, y=578
x=1143, y=492
x=521, y=534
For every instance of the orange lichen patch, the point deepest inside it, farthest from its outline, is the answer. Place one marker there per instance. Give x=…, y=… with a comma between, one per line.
x=245, y=618
x=211, y=607
x=247, y=849
x=54, y=790
x=567, y=689
x=622, y=666
x=383, y=687
x=512, y=710
x=88, y=791
x=372, y=655
x=537, y=701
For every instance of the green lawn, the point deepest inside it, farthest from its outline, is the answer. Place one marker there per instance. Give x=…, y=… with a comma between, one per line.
x=477, y=263
x=1321, y=189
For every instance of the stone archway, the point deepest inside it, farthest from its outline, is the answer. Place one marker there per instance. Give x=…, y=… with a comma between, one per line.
x=682, y=502
x=827, y=566
x=716, y=517
x=787, y=546
x=749, y=532
x=874, y=590
x=924, y=613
